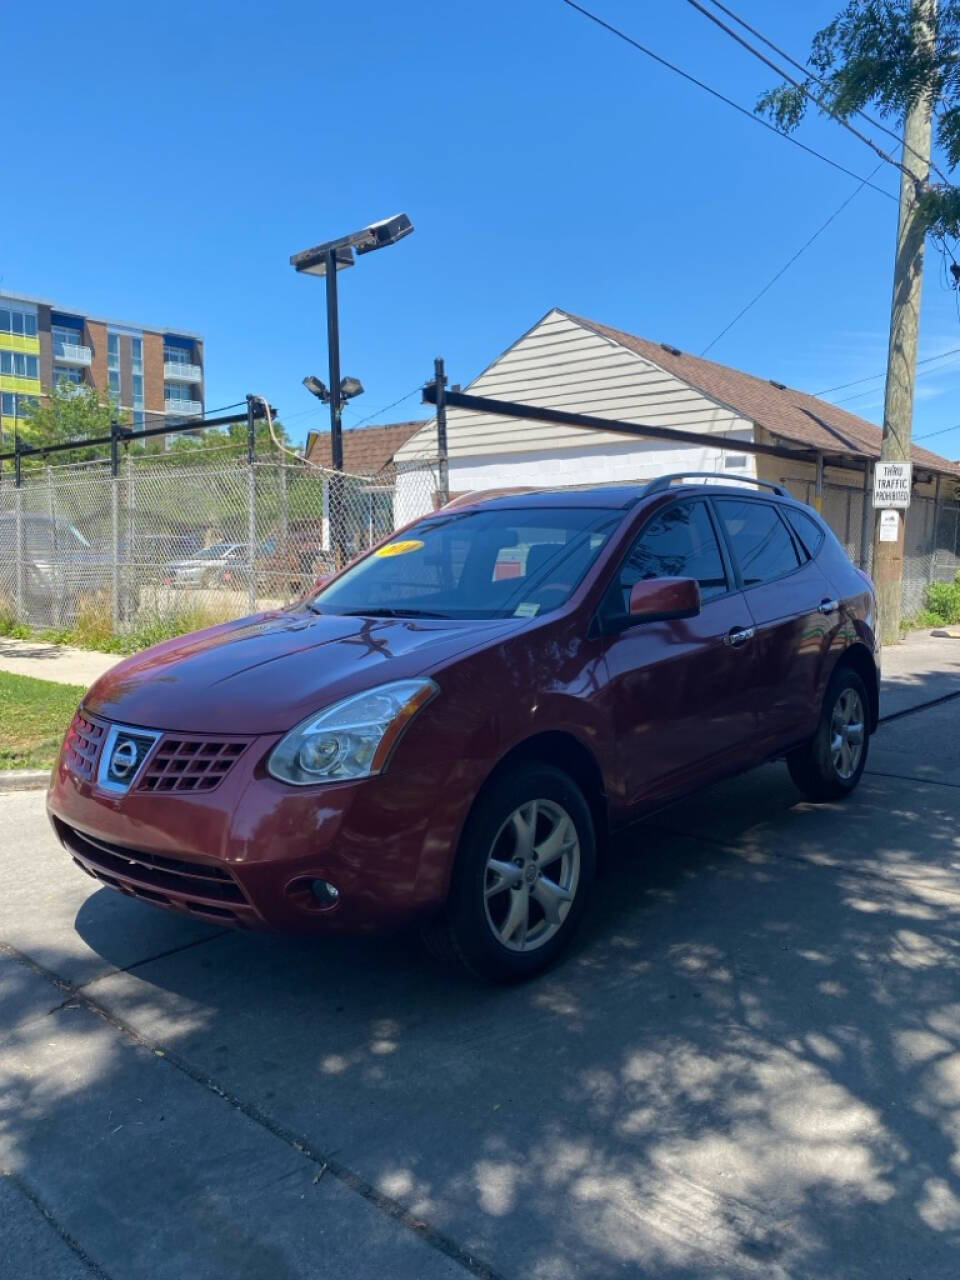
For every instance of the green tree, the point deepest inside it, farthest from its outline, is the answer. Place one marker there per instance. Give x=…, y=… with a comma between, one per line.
x=69, y=412
x=869, y=56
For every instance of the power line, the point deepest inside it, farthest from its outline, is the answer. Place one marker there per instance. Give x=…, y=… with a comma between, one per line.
x=715, y=93
x=387, y=407
x=789, y=263
x=712, y=17
x=860, y=394
x=944, y=430
x=874, y=376
x=800, y=66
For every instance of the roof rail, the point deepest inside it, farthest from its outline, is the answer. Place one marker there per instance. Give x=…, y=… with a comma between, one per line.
x=664, y=482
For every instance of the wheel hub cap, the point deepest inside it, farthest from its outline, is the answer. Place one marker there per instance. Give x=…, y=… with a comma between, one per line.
x=532, y=874
x=847, y=734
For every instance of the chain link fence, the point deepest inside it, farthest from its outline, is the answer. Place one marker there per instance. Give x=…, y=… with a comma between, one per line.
x=189, y=542
x=195, y=541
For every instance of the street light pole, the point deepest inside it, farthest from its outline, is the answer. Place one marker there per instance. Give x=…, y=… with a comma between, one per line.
x=333, y=343
x=335, y=490
x=325, y=259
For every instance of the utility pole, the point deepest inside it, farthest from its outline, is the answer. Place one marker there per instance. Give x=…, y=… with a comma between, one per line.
x=904, y=322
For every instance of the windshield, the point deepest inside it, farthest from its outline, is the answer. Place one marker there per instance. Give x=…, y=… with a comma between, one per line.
x=476, y=564
x=216, y=551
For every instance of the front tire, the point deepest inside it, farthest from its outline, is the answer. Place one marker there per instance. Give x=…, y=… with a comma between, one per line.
x=522, y=876
x=831, y=764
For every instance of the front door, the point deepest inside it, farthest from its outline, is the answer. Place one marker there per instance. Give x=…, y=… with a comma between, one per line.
x=679, y=693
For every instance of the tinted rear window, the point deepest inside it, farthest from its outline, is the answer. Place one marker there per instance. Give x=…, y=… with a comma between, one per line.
x=761, y=544
x=806, y=529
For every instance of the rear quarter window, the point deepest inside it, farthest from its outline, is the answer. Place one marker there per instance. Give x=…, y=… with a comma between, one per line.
x=809, y=533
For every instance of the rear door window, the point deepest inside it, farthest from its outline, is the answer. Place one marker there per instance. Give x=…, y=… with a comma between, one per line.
x=761, y=544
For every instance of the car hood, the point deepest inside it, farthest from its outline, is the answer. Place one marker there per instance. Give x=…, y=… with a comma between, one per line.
x=265, y=673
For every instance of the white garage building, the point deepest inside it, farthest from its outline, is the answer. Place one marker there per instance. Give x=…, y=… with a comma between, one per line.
x=567, y=362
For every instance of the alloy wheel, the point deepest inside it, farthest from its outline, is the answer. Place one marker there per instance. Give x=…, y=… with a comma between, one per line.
x=847, y=734
x=532, y=874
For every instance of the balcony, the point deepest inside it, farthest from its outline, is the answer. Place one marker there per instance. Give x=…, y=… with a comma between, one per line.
x=182, y=408
x=177, y=371
x=71, y=353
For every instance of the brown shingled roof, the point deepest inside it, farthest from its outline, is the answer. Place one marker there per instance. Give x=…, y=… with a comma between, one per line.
x=366, y=450
x=783, y=411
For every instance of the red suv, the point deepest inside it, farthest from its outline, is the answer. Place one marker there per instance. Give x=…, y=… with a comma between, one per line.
x=447, y=730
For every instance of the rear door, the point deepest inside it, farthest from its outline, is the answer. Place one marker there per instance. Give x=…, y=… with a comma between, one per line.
x=680, y=693
x=791, y=607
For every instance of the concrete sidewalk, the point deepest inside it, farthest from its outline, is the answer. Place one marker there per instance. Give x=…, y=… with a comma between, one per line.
x=922, y=667
x=54, y=661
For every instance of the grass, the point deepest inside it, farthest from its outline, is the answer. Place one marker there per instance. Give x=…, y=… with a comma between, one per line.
x=93, y=627
x=34, y=715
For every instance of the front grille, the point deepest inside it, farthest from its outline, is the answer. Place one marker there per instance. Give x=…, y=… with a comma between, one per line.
x=82, y=746
x=202, y=888
x=191, y=764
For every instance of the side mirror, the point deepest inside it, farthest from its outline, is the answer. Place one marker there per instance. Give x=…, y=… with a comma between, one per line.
x=663, y=600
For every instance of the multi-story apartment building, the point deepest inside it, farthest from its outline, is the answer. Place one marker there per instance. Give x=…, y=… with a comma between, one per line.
x=152, y=375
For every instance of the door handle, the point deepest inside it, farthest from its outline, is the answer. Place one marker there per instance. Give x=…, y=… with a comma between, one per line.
x=829, y=606
x=737, y=636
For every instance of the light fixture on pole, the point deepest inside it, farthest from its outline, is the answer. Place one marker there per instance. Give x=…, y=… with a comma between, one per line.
x=317, y=388
x=326, y=260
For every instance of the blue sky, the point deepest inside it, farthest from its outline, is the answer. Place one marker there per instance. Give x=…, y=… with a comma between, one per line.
x=167, y=162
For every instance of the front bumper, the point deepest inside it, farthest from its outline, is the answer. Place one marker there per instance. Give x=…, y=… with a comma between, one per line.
x=245, y=852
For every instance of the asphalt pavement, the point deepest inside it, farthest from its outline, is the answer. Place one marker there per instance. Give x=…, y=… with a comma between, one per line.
x=749, y=1066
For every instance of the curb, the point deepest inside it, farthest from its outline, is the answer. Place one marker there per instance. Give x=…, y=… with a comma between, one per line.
x=24, y=779
x=945, y=634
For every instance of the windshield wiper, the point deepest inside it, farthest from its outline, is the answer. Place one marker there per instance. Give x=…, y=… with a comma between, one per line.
x=391, y=613
x=313, y=608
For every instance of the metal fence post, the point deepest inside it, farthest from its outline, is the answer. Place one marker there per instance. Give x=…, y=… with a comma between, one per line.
x=440, y=380
x=936, y=529
x=132, y=576
x=284, y=513
x=252, y=535
x=251, y=506
x=115, y=551
x=18, y=601
x=56, y=619
x=866, y=542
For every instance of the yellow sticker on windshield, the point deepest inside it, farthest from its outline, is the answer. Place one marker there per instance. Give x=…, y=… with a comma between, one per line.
x=399, y=548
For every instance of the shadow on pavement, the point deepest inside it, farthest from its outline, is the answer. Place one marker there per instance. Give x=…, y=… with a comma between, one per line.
x=750, y=1064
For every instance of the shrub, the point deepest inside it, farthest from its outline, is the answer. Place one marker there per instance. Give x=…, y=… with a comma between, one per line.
x=943, y=602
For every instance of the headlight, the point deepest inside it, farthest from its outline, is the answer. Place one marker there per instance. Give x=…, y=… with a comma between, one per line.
x=353, y=738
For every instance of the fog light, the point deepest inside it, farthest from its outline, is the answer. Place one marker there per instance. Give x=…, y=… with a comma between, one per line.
x=324, y=892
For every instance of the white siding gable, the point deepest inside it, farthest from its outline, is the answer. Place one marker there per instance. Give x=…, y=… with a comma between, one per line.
x=563, y=365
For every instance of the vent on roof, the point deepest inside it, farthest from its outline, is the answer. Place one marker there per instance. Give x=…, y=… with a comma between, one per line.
x=674, y=351
x=781, y=386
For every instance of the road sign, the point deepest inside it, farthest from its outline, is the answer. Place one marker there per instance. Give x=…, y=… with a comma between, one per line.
x=889, y=525
x=891, y=484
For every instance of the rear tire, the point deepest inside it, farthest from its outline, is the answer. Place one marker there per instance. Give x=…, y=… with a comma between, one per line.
x=522, y=876
x=831, y=764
